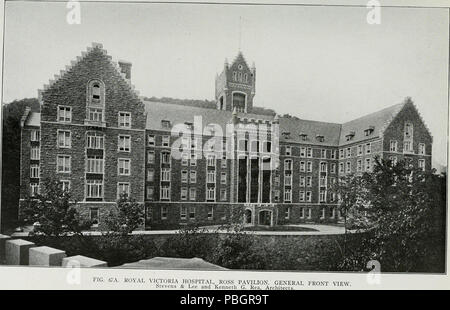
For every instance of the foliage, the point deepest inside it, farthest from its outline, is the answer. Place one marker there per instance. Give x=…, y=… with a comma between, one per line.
x=52, y=212
x=12, y=114
x=403, y=210
x=128, y=216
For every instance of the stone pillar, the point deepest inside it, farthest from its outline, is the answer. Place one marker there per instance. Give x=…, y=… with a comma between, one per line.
x=16, y=251
x=82, y=261
x=45, y=256
x=3, y=239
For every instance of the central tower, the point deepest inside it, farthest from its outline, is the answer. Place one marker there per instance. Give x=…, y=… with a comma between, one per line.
x=235, y=86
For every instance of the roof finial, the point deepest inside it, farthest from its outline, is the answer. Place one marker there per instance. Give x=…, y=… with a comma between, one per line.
x=240, y=32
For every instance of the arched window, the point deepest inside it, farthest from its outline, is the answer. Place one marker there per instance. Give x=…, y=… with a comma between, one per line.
x=245, y=77
x=95, y=105
x=408, y=130
x=239, y=102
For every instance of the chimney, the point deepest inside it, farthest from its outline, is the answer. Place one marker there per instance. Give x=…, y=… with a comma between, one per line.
x=125, y=67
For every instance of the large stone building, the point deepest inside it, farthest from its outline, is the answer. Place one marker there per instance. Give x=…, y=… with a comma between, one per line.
x=99, y=138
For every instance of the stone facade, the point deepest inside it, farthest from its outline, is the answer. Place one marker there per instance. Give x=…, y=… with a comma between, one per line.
x=279, y=173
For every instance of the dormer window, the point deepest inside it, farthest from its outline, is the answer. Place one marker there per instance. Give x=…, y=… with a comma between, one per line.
x=189, y=126
x=303, y=136
x=320, y=138
x=286, y=134
x=165, y=124
x=369, y=131
x=350, y=135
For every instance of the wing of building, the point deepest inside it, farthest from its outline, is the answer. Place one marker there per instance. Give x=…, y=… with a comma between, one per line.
x=199, y=165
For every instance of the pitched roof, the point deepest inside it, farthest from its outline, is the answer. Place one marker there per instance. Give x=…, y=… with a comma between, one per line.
x=32, y=119
x=296, y=127
x=378, y=121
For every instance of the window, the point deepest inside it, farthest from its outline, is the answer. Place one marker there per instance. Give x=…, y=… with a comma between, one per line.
x=323, y=167
x=266, y=147
x=183, y=193
x=63, y=163
x=323, y=153
x=165, y=158
x=302, y=166
x=287, y=213
x=322, y=181
x=94, y=188
x=94, y=140
x=124, y=143
x=150, y=175
x=393, y=160
x=301, y=196
x=368, y=166
x=150, y=157
x=322, y=196
x=393, y=146
x=333, y=154
x=332, y=168
x=302, y=213
x=183, y=212
x=193, y=160
x=34, y=189
x=211, y=193
x=35, y=153
x=64, y=139
x=288, y=151
x=192, y=213
x=349, y=152
x=94, y=164
x=308, y=181
x=308, y=196
x=309, y=166
x=341, y=153
x=151, y=140
x=288, y=179
x=124, y=166
x=211, y=176
x=349, y=167
x=96, y=101
x=65, y=185
x=211, y=161
x=359, y=165
x=34, y=171
x=165, y=124
x=276, y=180
x=276, y=195
x=193, y=176
x=421, y=149
x=360, y=150
x=64, y=114
x=192, y=193
x=242, y=145
x=287, y=195
x=302, y=181
x=408, y=130
x=150, y=192
x=165, y=174
x=254, y=147
x=303, y=152
x=184, y=176
x=123, y=188
x=223, y=178
x=341, y=167
x=309, y=213
x=95, y=114
x=94, y=216
x=165, y=141
x=223, y=194
x=309, y=152
x=368, y=148
x=164, y=211
x=210, y=212
x=184, y=159
x=165, y=192
x=322, y=213
x=407, y=146
x=124, y=120
x=422, y=164
x=35, y=135
x=288, y=164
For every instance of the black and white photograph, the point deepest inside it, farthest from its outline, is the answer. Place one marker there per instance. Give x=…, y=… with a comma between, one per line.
x=225, y=137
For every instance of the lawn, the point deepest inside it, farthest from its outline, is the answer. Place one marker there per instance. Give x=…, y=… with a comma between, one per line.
x=279, y=228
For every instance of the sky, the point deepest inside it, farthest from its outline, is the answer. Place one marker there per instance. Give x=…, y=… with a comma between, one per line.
x=316, y=62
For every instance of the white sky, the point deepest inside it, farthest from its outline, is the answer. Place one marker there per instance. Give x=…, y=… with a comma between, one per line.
x=320, y=63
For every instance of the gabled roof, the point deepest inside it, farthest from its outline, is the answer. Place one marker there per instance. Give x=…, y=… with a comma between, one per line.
x=30, y=118
x=240, y=59
x=378, y=121
x=78, y=59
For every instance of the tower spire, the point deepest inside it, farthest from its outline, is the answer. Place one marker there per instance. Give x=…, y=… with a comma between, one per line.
x=240, y=32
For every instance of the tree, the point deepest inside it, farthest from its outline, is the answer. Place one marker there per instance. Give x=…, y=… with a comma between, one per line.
x=12, y=114
x=53, y=212
x=128, y=217
x=402, y=209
